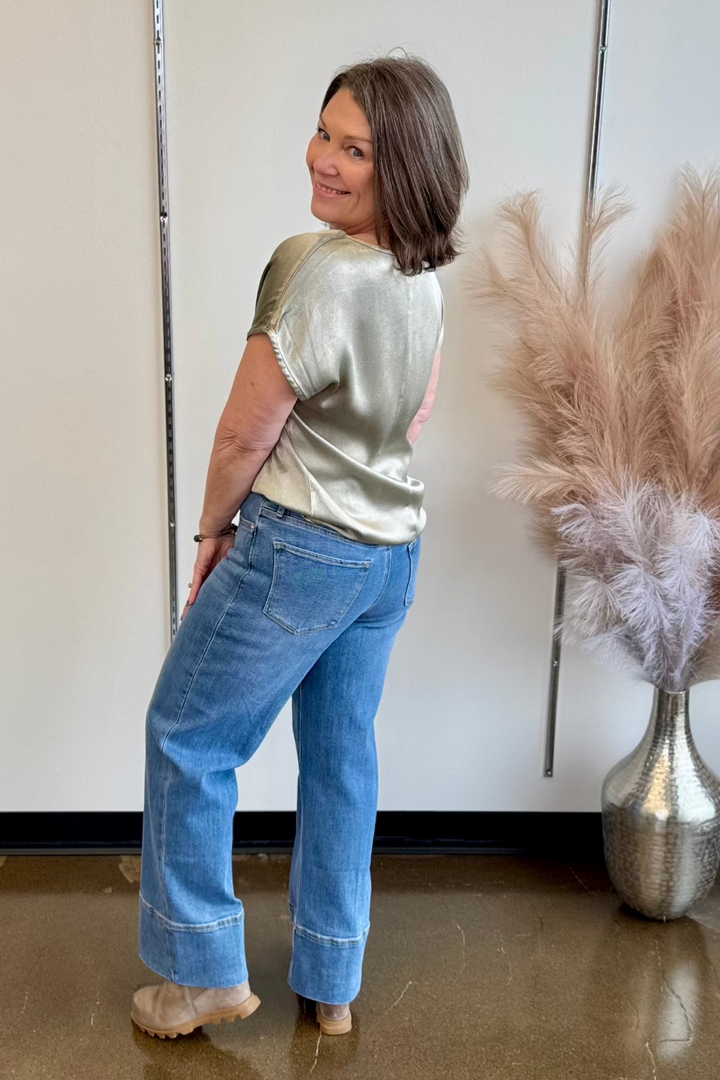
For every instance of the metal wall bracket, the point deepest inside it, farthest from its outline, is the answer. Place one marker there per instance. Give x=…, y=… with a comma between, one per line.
x=169, y=379
x=591, y=169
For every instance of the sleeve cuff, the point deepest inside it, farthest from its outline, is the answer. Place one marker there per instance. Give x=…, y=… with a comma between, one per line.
x=287, y=371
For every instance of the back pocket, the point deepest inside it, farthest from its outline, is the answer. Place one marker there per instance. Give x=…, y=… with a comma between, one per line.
x=310, y=591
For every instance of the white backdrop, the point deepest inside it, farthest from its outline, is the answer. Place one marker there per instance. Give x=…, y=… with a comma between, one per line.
x=461, y=725
x=83, y=630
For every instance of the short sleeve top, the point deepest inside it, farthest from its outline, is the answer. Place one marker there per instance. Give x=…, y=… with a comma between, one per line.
x=356, y=339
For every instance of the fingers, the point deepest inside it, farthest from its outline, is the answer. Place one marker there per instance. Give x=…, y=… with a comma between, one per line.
x=195, y=589
x=201, y=571
x=199, y=576
x=189, y=602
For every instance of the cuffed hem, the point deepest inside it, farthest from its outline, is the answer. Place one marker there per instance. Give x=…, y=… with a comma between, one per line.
x=324, y=968
x=194, y=954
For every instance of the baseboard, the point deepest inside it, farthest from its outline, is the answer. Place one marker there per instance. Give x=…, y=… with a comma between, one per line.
x=541, y=833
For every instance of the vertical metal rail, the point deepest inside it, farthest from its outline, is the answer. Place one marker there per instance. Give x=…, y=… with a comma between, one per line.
x=591, y=168
x=168, y=381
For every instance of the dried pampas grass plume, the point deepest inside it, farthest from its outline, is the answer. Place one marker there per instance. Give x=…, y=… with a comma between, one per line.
x=621, y=459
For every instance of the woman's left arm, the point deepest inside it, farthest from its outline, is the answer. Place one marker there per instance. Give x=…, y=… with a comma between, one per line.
x=260, y=401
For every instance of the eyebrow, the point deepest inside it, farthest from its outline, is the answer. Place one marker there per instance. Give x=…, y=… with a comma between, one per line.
x=357, y=138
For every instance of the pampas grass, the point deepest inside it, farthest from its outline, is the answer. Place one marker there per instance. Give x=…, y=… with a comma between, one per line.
x=621, y=459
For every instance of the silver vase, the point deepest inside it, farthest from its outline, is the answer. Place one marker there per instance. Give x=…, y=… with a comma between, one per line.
x=661, y=816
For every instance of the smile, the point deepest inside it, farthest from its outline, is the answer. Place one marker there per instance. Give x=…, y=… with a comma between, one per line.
x=328, y=193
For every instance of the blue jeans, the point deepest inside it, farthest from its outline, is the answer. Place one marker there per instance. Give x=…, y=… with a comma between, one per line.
x=294, y=609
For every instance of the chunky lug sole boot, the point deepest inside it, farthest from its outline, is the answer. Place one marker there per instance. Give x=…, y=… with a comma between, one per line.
x=170, y=1009
x=333, y=1027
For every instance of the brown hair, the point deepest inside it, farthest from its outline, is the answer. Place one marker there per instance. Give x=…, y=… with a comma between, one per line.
x=421, y=173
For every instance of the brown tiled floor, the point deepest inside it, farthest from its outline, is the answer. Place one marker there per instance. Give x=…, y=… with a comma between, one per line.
x=483, y=967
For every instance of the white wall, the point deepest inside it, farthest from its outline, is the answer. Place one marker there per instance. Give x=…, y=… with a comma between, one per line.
x=662, y=108
x=84, y=586
x=461, y=723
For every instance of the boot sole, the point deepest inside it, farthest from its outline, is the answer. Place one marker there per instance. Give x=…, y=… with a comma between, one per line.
x=245, y=1008
x=333, y=1027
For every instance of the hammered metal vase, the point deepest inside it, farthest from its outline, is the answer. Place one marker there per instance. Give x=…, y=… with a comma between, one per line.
x=661, y=816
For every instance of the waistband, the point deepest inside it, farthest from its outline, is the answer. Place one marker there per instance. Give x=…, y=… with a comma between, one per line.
x=250, y=509
x=257, y=503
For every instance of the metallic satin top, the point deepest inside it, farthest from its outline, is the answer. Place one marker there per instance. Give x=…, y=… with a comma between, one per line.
x=356, y=339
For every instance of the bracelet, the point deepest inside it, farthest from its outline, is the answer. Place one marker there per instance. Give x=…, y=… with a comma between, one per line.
x=230, y=531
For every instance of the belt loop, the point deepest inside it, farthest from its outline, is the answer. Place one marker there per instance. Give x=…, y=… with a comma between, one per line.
x=269, y=507
x=253, y=506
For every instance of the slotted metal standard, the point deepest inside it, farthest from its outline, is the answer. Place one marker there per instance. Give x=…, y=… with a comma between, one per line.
x=601, y=41
x=169, y=378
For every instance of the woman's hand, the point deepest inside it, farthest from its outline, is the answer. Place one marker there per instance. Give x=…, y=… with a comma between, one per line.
x=210, y=552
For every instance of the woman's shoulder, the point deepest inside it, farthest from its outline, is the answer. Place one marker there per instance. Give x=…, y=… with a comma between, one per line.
x=292, y=252
x=323, y=265
x=311, y=260
x=295, y=274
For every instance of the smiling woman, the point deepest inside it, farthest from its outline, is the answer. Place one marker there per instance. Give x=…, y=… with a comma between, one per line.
x=397, y=159
x=340, y=161
x=307, y=595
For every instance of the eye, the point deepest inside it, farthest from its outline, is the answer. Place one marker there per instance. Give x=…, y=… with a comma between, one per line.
x=318, y=129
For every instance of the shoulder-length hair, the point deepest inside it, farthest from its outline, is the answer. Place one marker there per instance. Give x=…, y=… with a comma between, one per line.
x=421, y=173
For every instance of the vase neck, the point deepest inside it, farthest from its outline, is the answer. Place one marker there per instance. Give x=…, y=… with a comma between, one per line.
x=671, y=712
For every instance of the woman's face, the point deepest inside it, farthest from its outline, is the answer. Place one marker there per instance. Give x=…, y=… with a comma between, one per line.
x=340, y=156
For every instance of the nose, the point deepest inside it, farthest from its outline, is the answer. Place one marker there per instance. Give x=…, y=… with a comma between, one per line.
x=324, y=165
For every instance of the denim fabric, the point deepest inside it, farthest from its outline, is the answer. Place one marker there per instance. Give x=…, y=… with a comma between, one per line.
x=295, y=609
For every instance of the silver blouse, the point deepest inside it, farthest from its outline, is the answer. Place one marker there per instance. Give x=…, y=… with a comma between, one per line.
x=356, y=339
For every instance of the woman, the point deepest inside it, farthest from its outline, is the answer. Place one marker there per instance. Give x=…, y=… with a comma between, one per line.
x=306, y=594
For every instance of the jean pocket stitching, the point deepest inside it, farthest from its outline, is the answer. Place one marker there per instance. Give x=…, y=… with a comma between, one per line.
x=319, y=556
x=280, y=546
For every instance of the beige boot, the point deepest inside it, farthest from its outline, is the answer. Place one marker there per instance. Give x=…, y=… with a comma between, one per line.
x=168, y=1009
x=333, y=1019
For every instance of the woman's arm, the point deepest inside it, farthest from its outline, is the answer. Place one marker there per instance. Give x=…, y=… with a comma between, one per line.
x=260, y=402
x=425, y=409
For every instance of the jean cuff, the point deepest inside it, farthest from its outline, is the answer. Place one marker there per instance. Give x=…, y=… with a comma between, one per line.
x=326, y=969
x=212, y=956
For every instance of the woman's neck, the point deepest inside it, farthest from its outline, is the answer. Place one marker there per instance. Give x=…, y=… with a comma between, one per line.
x=369, y=238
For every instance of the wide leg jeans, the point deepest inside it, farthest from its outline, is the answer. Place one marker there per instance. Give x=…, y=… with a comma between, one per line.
x=294, y=610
